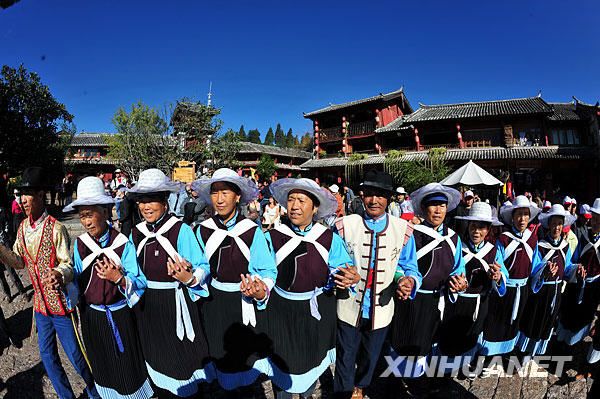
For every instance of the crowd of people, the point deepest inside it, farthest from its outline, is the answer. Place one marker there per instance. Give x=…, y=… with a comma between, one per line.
x=224, y=281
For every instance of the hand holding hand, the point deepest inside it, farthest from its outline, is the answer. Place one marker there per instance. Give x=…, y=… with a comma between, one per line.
x=405, y=287
x=458, y=283
x=180, y=269
x=346, y=277
x=253, y=287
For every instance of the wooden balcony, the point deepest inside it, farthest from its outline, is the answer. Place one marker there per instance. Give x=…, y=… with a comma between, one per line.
x=361, y=128
x=330, y=134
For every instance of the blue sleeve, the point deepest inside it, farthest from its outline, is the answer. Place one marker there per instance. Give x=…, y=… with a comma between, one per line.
x=407, y=265
x=459, y=263
x=262, y=263
x=577, y=253
x=135, y=280
x=77, y=262
x=500, y=286
x=500, y=251
x=536, y=261
x=338, y=257
x=570, y=267
x=189, y=249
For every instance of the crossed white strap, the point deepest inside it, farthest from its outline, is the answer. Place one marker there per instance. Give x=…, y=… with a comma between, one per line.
x=109, y=251
x=514, y=244
x=552, y=250
x=159, y=236
x=219, y=235
x=468, y=255
x=590, y=245
x=311, y=237
x=437, y=239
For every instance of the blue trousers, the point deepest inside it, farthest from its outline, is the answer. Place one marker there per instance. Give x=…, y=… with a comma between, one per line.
x=48, y=327
x=357, y=351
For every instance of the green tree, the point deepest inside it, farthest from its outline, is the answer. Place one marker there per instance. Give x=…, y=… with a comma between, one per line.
x=242, y=134
x=269, y=138
x=280, y=139
x=254, y=136
x=306, y=142
x=31, y=122
x=266, y=167
x=291, y=141
x=414, y=174
x=142, y=141
x=225, y=148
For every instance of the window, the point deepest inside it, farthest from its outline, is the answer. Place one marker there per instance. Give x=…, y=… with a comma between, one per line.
x=529, y=137
x=565, y=137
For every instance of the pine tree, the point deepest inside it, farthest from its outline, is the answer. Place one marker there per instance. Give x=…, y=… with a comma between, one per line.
x=270, y=137
x=242, y=134
x=291, y=141
x=254, y=136
x=280, y=140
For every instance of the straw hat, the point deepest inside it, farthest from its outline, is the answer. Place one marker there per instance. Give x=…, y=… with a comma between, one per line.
x=557, y=210
x=282, y=187
x=481, y=212
x=248, y=189
x=90, y=191
x=520, y=201
x=153, y=181
x=432, y=190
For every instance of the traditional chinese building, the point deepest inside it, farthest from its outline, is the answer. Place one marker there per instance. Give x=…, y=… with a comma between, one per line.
x=287, y=160
x=88, y=155
x=537, y=144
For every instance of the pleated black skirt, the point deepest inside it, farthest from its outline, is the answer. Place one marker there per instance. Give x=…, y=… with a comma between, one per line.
x=573, y=315
x=234, y=347
x=539, y=317
x=124, y=373
x=458, y=332
x=175, y=365
x=303, y=347
x=499, y=326
x=414, y=325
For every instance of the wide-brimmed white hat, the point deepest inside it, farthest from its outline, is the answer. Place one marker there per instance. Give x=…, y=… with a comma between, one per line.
x=248, y=190
x=584, y=210
x=595, y=208
x=90, y=191
x=567, y=200
x=153, y=181
x=557, y=210
x=334, y=188
x=520, y=201
x=401, y=190
x=452, y=196
x=547, y=205
x=573, y=201
x=481, y=212
x=282, y=187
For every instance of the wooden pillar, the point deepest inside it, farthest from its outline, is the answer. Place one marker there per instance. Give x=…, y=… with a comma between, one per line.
x=417, y=140
x=461, y=144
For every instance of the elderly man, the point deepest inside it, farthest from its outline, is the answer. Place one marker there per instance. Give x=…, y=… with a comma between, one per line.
x=385, y=251
x=42, y=246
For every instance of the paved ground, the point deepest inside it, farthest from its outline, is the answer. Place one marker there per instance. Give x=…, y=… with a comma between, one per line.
x=22, y=375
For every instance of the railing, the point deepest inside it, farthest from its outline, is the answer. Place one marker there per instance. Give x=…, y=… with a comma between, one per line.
x=361, y=128
x=477, y=143
x=330, y=134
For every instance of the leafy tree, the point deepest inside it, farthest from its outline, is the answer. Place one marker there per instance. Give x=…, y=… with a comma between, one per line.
x=242, y=134
x=269, y=138
x=306, y=142
x=291, y=141
x=142, y=141
x=266, y=166
x=225, y=149
x=31, y=122
x=280, y=140
x=254, y=136
x=412, y=175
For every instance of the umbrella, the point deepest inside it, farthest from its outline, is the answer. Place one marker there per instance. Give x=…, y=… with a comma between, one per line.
x=471, y=175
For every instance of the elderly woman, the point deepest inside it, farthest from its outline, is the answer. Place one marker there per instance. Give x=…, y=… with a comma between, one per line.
x=440, y=262
x=543, y=302
x=462, y=325
x=110, y=282
x=302, y=309
x=242, y=274
x=169, y=325
x=519, y=250
x=582, y=294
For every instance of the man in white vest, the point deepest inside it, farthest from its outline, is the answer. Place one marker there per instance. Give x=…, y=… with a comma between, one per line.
x=384, y=252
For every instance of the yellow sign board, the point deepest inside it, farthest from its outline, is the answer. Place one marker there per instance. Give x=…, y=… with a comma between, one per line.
x=185, y=171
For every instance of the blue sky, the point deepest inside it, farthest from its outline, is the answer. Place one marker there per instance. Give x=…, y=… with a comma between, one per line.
x=269, y=61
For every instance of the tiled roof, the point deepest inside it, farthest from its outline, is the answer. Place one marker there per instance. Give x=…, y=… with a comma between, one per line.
x=521, y=106
x=380, y=96
x=90, y=140
x=253, y=148
x=550, y=152
x=563, y=112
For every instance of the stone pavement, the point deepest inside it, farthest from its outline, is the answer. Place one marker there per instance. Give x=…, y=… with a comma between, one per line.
x=22, y=375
